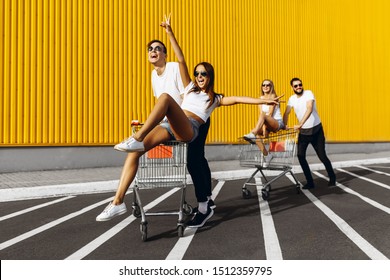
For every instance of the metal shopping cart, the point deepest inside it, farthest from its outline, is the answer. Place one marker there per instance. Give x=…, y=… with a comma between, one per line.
x=282, y=146
x=161, y=167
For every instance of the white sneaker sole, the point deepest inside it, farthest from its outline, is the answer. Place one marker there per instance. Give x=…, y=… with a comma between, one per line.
x=129, y=151
x=250, y=140
x=109, y=218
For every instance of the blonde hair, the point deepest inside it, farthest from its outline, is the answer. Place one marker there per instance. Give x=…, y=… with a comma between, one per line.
x=272, y=86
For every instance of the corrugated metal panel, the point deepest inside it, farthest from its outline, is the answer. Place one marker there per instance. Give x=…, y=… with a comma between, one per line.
x=76, y=72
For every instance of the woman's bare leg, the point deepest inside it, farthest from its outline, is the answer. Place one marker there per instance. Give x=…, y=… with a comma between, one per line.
x=167, y=106
x=270, y=124
x=129, y=170
x=261, y=146
x=151, y=134
x=157, y=136
x=260, y=122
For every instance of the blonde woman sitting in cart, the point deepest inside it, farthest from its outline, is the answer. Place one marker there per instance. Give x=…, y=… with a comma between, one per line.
x=270, y=120
x=183, y=124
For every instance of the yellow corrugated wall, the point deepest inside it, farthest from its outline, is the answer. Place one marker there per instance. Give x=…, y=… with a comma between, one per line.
x=76, y=72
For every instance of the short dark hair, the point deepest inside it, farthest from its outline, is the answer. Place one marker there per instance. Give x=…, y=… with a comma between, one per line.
x=158, y=41
x=294, y=80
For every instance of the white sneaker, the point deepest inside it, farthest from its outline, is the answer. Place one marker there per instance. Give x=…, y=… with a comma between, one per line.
x=267, y=159
x=250, y=137
x=130, y=145
x=111, y=211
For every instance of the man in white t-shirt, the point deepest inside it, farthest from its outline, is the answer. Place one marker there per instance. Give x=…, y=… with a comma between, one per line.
x=310, y=131
x=165, y=75
x=166, y=79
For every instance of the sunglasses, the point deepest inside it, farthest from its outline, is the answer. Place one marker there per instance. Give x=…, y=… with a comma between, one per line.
x=196, y=74
x=156, y=49
x=266, y=85
x=297, y=85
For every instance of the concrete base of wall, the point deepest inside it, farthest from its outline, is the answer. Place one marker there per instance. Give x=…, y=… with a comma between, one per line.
x=17, y=159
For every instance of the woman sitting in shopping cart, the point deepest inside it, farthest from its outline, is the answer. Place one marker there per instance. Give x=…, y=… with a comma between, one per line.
x=183, y=124
x=270, y=120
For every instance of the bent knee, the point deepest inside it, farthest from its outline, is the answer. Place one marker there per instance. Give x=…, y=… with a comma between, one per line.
x=164, y=96
x=185, y=139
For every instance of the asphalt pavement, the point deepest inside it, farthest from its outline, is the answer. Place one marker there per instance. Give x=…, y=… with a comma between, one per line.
x=346, y=222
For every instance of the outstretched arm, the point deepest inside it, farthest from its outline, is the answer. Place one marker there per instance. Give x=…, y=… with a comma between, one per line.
x=232, y=100
x=178, y=52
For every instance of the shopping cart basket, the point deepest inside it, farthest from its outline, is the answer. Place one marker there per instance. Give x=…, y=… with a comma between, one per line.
x=162, y=167
x=282, y=146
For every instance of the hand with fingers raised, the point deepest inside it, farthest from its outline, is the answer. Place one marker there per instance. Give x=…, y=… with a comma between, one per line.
x=166, y=23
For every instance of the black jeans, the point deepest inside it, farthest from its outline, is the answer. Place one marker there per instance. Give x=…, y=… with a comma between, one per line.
x=317, y=140
x=197, y=164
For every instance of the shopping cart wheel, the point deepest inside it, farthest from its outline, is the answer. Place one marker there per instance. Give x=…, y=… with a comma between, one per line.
x=187, y=209
x=180, y=231
x=246, y=193
x=144, y=231
x=298, y=187
x=265, y=194
x=136, y=211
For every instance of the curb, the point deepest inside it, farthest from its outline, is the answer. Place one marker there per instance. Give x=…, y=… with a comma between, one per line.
x=14, y=194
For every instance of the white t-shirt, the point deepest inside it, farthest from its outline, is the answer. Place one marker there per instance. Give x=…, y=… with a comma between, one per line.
x=298, y=102
x=168, y=82
x=198, y=102
x=276, y=114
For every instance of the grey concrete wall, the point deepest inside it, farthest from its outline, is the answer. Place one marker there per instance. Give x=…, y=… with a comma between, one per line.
x=15, y=159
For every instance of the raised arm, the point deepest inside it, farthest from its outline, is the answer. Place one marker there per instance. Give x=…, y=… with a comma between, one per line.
x=185, y=76
x=232, y=100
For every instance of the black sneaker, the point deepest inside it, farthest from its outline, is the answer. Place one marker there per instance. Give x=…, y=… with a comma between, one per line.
x=200, y=219
x=332, y=182
x=210, y=204
x=308, y=186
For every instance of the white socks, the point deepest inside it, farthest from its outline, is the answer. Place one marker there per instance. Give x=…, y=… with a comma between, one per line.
x=202, y=208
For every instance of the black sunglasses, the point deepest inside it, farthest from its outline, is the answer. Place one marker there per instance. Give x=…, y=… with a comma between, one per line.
x=156, y=48
x=297, y=85
x=196, y=74
x=266, y=85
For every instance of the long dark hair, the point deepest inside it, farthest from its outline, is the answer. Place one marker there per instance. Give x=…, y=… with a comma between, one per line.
x=210, y=86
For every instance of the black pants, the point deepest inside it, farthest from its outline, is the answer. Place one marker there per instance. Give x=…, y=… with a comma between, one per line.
x=317, y=140
x=197, y=164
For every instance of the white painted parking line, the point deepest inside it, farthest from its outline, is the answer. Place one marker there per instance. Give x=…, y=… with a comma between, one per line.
x=366, y=179
x=271, y=240
x=363, y=244
x=364, y=198
x=27, y=210
x=94, y=244
x=50, y=225
x=373, y=170
x=181, y=246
